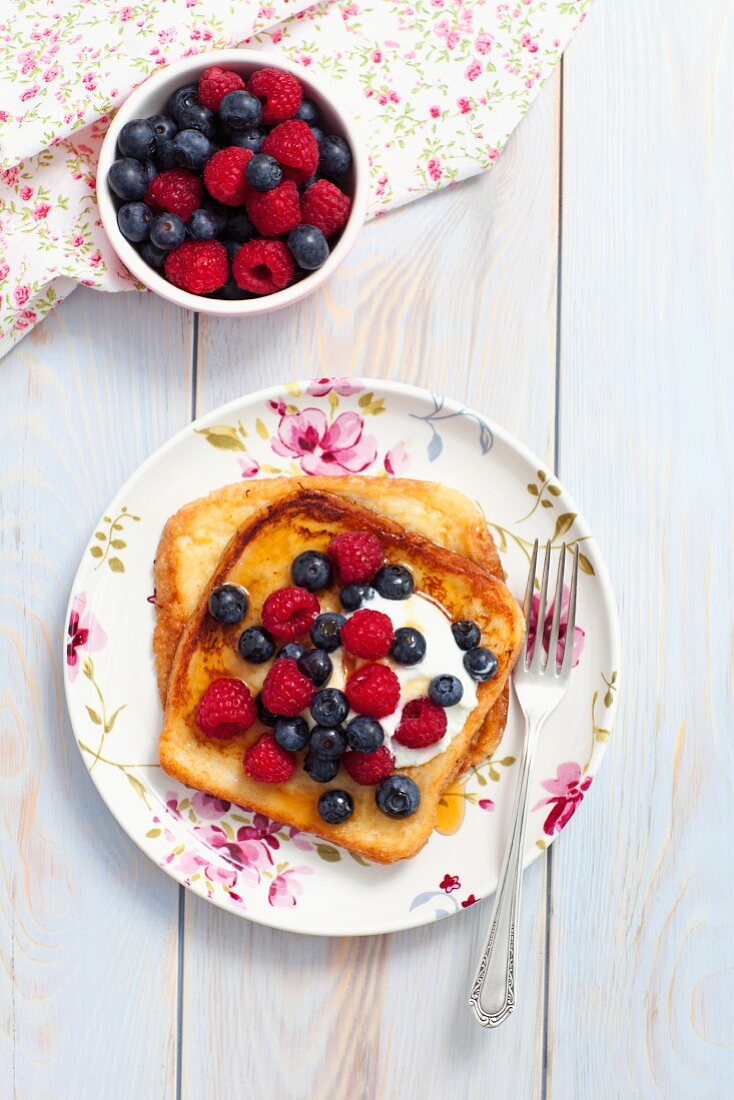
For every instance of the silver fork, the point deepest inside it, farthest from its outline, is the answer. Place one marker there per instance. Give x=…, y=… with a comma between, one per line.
x=540, y=684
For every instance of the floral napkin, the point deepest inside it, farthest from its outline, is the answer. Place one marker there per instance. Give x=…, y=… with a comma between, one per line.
x=436, y=86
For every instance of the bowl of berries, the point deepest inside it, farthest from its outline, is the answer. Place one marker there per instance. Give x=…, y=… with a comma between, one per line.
x=230, y=185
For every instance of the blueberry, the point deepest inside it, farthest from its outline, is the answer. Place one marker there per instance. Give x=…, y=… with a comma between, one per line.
x=137, y=139
x=292, y=650
x=353, y=596
x=316, y=664
x=319, y=768
x=181, y=98
x=165, y=157
x=334, y=156
x=265, y=716
x=291, y=733
x=228, y=604
x=197, y=117
x=466, y=633
x=408, y=647
x=230, y=292
x=239, y=227
x=480, y=663
x=247, y=139
x=307, y=112
x=240, y=111
x=219, y=212
x=128, y=179
x=165, y=128
x=327, y=742
x=308, y=246
x=167, y=231
x=326, y=631
x=192, y=149
x=150, y=169
x=256, y=645
x=232, y=247
x=134, y=220
x=335, y=806
x=446, y=690
x=311, y=570
x=329, y=707
x=202, y=225
x=364, y=734
x=398, y=796
x=393, y=582
x=318, y=134
x=263, y=172
x=152, y=255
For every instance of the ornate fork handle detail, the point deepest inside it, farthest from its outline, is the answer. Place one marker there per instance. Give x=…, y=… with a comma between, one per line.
x=493, y=993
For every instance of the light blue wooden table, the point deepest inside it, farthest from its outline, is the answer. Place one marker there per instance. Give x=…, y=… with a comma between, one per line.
x=582, y=294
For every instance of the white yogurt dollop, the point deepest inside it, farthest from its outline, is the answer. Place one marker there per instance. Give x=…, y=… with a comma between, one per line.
x=443, y=657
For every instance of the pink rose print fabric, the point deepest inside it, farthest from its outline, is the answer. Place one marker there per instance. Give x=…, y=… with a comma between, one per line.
x=436, y=87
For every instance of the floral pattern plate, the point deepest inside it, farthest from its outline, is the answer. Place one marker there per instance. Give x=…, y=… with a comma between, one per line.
x=245, y=863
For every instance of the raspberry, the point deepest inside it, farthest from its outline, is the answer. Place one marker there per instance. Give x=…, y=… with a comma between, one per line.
x=214, y=85
x=263, y=267
x=175, y=191
x=288, y=612
x=325, y=206
x=274, y=212
x=280, y=93
x=226, y=708
x=224, y=175
x=198, y=266
x=357, y=555
x=286, y=691
x=295, y=149
x=421, y=723
x=373, y=690
x=267, y=762
x=368, y=634
x=369, y=767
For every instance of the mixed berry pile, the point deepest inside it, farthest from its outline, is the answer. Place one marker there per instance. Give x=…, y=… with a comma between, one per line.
x=236, y=191
x=297, y=681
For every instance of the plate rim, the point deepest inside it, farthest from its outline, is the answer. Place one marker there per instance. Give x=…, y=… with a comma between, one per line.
x=385, y=386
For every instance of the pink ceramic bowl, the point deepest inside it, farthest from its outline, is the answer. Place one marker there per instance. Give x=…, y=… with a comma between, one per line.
x=150, y=98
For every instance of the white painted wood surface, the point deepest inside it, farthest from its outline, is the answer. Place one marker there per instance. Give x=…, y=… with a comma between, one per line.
x=99, y=996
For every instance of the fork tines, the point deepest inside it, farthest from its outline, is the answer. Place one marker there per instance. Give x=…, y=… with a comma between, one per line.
x=533, y=658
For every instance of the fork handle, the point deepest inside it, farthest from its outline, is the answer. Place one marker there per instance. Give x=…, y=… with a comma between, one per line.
x=493, y=993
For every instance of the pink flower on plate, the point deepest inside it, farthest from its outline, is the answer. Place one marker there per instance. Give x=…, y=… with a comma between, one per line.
x=345, y=387
x=397, y=459
x=263, y=829
x=10, y=175
x=567, y=792
x=449, y=883
x=321, y=448
x=26, y=193
x=249, y=466
x=435, y=171
x=471, y=900
x=285, y=889
x=435, y=112
x=208, y=807
x=579, y=635
x=83, y=632
x=473, y=70
x=41, y=211
x=4, y=270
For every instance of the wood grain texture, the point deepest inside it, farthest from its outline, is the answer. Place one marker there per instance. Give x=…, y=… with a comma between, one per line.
x=88, y=926
x=642, y=961
x=458, y=294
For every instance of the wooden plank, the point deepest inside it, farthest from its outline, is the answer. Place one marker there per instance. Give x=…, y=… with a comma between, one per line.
x=641, y=990
x=456, y=293
x=88, y=925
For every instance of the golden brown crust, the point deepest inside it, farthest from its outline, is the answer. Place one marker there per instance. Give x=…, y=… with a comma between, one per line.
x=194, y=538
x=258, y=556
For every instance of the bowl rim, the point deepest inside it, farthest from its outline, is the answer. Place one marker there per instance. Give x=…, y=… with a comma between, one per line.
x=318, y=88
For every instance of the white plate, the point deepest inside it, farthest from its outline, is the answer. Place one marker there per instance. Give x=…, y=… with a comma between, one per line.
x=248, y=865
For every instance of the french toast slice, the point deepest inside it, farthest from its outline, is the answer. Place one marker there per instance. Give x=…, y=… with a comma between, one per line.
x=194, y=537
x=258, y=557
